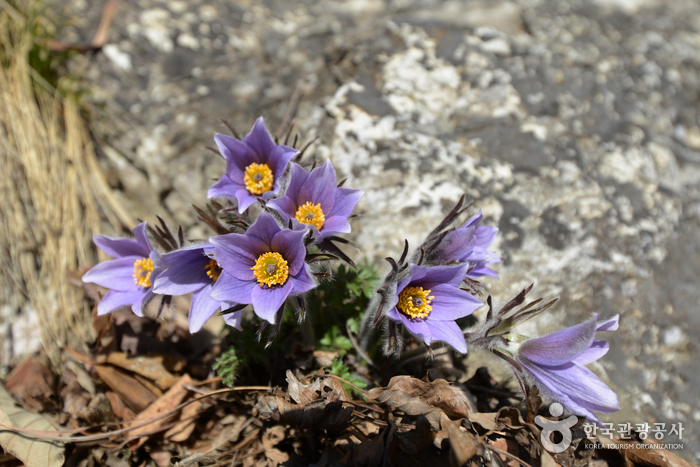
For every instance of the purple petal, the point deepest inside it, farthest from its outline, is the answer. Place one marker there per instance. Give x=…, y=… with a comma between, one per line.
x=610, y=325
x=485, y=235
x=202, y=308
x=138, y=306
x=285, y=206
x=118, y=247
x=278, y=160
x=597, y=350
x=448, y=332
x=579, y=389
x=141, y=235
x=560, y=347
x=336, y=224
x=264, y=228
x=458, y=244
x=245, y=199
x=225, y=187
x=233, y=149
x=451, y=303
x=345, y=201
x=259, y=141
x=452, y=275
x=115, y=274
x=303, y=282
x=474, y=220
x=115, y=299
x=290, y=244
x=229, y=289
x=320, y=188
x=184, y=272
x=267, y=300
x=234, y=319
x=418, y=327
x=479, y=272
x=297, y=180
x=237, y=253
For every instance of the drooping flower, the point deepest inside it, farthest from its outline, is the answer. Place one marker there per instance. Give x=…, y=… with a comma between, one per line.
x=262, y=267
x=429, y=300
x=253, y=166
x=129, y=276
x=194, y=269
x=313, y=200
x=469, y=244
x=555, y=363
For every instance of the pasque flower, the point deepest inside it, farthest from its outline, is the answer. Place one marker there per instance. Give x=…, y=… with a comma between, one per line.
x=429, y=300
x=313, y=200
x=129, y=276
x=469, y=244
x=555, y=363
x=194, y=269
x=262, y=267
x=253, y=166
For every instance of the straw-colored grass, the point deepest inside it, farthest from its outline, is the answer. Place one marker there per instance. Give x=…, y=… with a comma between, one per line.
x=54, y=195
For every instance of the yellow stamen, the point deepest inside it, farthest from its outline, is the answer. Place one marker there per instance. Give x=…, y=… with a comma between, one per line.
x=414, y=302
x=213, y=270
x=142, y=272
x=311, y=214
x=270, y=269
x=258, y=178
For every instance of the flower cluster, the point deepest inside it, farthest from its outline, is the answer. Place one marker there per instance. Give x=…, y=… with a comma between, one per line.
x=263, y=266
x=283, y=219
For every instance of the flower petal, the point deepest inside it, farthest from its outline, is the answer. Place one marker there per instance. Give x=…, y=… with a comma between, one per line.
x=141, y=235
x=225, y=187
x=115, y=274
x=278, y=161
x=303, y=282
x=237, y=253
x=118, y=247
x=577, y=388
x=202, y=308
x=320, y=188
x=234, y=319
x=115, y=299
x=259, y=141
x=418, y=327
x=233, y=149
x=448, y=332
x=184, y=272
x=229, y=289
x=267, y=300
x=610, y=325
x=264, y=228
x=290, y=244
x=451, y=303
x=285, y=206
x=560, y=347
x=335, y=224
x=298, y=176
x=345, y=201
x=138, y=307
x=452, y=275
x=597, y=350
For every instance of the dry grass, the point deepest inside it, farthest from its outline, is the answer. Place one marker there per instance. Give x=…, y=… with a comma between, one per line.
x=54, y=195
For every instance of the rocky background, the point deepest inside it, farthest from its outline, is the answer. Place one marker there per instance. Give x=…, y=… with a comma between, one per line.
x=572, y=124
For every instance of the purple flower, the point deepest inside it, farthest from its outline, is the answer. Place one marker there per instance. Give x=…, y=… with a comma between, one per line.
x=429, y=301
x=194, y=269
x=262, y=267
x=314, y=201
x=253, y=166
x=469, y=244
x=556, y=362
x=129, y=276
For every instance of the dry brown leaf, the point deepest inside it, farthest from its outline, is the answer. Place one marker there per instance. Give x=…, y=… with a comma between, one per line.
x=32, y=452
x=486, y=420
x=463, y=445
x=32, y=383
x=118, y=407
x=654, y=457
x=511, y=447
x=133, y=393
x=185, y=427
x=145, y=366
x=439, y=394
x=165, y=403
x=547, y=460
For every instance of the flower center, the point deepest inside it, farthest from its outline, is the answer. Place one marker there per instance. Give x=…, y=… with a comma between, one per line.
x=213, y=269
x=142, y=272
x=270, y=269
x=414, y=302
x=311, y=214
x=258, y=178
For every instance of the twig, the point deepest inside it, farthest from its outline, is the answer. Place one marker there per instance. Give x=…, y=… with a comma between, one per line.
x=358, y=349
x=362, y=391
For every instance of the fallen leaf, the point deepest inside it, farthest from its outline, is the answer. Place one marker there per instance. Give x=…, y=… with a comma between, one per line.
x=32, y=383
x=654, y=457
x=98, y=411
x=163, y=404
x=511, y=447
x=547, y=461
x=438, y=393
x=463, y=445
x=118, y=407
x=133, y=393
x=145, y=366
x=182, y=431
x=32, y=452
